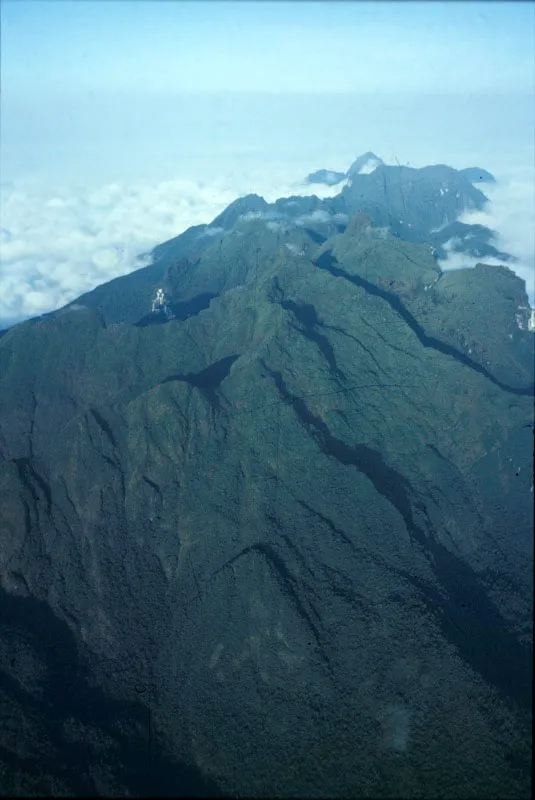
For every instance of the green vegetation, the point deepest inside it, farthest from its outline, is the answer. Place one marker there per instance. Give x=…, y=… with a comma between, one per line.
x=293, y=522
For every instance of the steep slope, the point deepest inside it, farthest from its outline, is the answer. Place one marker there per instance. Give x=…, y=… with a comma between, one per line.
x=364, y=164
x=412, y=202
x=420, y=205
x=127, y=298
x=282, y=535
x=472, y=240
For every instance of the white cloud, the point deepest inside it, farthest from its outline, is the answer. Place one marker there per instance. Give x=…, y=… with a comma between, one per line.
x=321, y=216
x=315, y=216
x=59, y=246
x=214, y=231
x=295, y=249
x=58, y=243
x=272, y=225
x=331, y=178
x=511, y=214
x=369, y=167
x=320, y=190
x=251, y=215
x=451, y=245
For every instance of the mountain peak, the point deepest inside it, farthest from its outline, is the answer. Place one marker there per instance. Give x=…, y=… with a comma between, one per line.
x=329, y=177
x=303, y=426
x=249, y=204
x=477, y=175
x=364, y=164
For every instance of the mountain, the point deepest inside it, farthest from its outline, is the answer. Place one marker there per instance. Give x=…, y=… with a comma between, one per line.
x=327, y=176
x=368, y=163
x=248, y=206
x=420, y=205
x=414, y=204
x=411, y=202
x=266, y=513
x=472, y=240
x=478, y=175
x=364, y=164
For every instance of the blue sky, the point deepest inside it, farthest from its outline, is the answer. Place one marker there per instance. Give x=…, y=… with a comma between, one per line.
x=123, y=123
x=62, y=46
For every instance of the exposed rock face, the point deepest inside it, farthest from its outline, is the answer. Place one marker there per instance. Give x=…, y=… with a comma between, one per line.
x=278, y=542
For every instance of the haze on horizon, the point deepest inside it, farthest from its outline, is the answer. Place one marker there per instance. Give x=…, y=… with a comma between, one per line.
x=123, y=123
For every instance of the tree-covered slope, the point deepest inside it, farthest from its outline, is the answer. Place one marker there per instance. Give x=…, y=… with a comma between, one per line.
x=273, y=537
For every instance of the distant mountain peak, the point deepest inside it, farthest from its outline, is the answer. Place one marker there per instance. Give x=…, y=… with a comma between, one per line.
x=296, y=420
x=364, y=164
x=249, y=204
x=329, y=177
x=477, y=175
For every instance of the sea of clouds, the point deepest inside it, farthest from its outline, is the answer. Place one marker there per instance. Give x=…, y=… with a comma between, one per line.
x=86, y=202
x=510, y=212
x=57, y=243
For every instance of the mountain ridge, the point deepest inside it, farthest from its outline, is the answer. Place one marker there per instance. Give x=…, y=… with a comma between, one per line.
x=268, y=485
